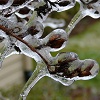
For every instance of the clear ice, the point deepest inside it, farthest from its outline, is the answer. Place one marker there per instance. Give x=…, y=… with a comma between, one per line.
x=26, y=38
x=90, y=8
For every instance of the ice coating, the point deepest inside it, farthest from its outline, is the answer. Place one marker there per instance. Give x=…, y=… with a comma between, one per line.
x=7, y=47
x=36, y=29
x=63, y=5
x=54, y=23
x=26, y=50
x=15, y=27
x=44, y=10
x=70, y=67
x=90, y=8
x=7, y=5
x=45, y=45
x=25, y=20
x=62, y=80
x=56, y=40
x=70, y=63
x=42, y=7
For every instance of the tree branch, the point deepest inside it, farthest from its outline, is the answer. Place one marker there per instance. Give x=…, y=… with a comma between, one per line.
x=8, y=32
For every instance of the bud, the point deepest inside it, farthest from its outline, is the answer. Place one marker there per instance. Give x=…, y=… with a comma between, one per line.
x=56, y=40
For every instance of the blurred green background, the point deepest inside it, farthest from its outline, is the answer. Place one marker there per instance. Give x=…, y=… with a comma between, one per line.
x=85, y=41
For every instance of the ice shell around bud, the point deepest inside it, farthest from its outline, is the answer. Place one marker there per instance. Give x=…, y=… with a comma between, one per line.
x=94, y=68
x=87, y=1
x=84, y=69
x=95, y=10
x=36, y=29
x=63, y=5
x=8, y=4
x=69, y=56
x=56, y=40
x=16, y=27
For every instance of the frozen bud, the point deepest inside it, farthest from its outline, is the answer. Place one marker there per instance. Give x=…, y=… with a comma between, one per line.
x=36, y=29
x=82, y=69
x=69, y=66
x=32, y=30
x=62, y=62
x=66, y=57
x=23, y=13
x=18, y=2
x=43, y=11
x=89, y=69
x=63, y=5
x=56, y=40
x=90, y=7
x=5, y=4
x=53, y=5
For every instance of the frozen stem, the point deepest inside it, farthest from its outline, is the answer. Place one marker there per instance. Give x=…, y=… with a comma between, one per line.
x=74, y=21
x=38, y=73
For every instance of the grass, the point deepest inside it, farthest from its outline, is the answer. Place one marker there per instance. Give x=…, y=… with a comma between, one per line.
x=86, y=45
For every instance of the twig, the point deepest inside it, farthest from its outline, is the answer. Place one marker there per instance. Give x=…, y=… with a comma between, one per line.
x=8, y=32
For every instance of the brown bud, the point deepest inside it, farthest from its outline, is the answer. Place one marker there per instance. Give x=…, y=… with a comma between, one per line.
x=32, y=30
x=55, y=41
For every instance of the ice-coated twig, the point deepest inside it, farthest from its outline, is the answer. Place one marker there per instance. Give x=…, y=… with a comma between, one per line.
x=38, y=73
x=16, y=8
x=6, y=52
x=21, y=40
x=75, y=20
x=7, y=5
